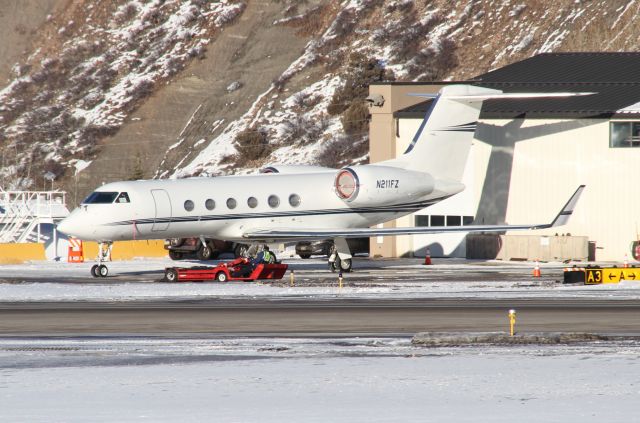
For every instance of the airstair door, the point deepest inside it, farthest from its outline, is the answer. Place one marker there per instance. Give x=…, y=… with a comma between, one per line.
x=163, y=210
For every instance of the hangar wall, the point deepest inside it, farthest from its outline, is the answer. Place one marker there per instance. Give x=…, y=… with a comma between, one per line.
x=523, y=171
x=559, y=156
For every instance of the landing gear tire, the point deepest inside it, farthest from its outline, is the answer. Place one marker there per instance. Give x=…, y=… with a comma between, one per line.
x=175, y=255
x=171, y=275
x=103, y=271
x=99, y=271
x=221, y=277
x=338, y=265
x=345, y=265
x=204, y=253
x=241, y=250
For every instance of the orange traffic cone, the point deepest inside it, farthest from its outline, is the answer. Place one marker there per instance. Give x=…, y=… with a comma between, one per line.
x=536, y=270
x=626, y=262
x=427, y=258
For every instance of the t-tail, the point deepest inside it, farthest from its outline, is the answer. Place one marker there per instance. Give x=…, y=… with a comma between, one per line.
x=442, y=143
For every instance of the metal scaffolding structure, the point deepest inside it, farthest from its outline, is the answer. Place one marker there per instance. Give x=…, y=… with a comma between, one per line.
x=22, y=214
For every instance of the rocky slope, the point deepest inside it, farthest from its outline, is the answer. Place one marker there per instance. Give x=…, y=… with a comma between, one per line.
x=184, y=88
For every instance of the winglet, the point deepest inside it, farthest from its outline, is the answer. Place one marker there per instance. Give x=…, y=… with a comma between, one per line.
x=563, y=217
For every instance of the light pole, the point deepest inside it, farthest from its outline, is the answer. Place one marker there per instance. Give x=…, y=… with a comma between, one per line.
x=49, y=176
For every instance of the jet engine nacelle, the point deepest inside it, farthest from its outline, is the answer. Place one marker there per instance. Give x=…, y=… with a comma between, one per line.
x=381, y=185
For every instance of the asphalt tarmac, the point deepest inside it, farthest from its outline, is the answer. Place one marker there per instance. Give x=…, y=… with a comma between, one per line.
x=311, y=317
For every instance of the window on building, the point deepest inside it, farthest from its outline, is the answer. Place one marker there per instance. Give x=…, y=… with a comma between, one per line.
x=188, y=205
x=252, y=202
x=437, y=220
x=454, y=220
x=273, y=201
x=421, y=220
x=624, y=134
x=210, y=204
x=231, y=203
x=467, y=220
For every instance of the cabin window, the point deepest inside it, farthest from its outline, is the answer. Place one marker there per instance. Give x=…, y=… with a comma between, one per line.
x=123, y=198
x=467, y=220
x=188, y=205
x=231, y=203
x=252, y=202
x=624, y=134
x=99, y=197
x=273, y=201
x=210, y=204
x=294, y=200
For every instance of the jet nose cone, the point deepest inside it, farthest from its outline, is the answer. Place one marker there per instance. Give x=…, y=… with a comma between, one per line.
x=65, y=226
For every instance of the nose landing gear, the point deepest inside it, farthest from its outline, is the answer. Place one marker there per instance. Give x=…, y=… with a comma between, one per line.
x=104, y=254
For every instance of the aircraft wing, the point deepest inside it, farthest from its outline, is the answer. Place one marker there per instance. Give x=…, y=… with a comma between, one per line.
x=304, y=233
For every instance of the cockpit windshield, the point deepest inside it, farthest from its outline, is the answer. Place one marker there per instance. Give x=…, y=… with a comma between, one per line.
x=123, y=198
x=100, y=197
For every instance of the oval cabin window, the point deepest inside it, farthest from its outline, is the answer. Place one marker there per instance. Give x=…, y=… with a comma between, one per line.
x=294, y=200
x=273, y=201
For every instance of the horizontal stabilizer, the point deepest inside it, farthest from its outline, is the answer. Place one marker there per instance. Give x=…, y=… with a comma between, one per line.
x=478, y=98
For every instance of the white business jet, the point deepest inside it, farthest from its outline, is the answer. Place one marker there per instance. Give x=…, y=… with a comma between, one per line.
x=296, y=202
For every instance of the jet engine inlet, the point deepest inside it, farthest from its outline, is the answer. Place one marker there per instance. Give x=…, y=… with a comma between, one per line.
x=347, y=184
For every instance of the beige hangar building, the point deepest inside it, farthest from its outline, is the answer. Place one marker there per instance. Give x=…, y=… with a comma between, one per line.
x=528, y=156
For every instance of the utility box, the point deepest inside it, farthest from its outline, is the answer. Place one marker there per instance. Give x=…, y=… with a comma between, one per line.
x=527, y=247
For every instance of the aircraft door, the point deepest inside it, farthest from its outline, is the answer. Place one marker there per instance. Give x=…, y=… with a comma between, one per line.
x=163, y=210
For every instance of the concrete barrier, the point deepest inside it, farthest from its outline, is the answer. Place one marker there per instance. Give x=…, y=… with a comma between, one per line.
x=20, y=253
x=527, y=247
x=122, y=250
x=127, y=250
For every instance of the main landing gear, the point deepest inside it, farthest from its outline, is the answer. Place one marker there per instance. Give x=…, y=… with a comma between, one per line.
x=339, y=265
x=104, y=254
x=340, y=256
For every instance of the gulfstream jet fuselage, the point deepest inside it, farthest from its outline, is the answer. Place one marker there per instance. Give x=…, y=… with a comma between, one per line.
x=306, y=202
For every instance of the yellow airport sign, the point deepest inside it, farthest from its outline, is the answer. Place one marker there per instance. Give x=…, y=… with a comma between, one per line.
x=611, y=275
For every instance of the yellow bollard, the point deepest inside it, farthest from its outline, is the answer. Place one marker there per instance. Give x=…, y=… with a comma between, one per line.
x=340, y=280
x=512, y=321
x=292, y=278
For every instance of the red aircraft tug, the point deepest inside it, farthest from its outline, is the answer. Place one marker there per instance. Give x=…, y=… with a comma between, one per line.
x=223, y=272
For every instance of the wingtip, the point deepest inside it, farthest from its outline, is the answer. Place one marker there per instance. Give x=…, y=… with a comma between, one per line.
x=565, y=213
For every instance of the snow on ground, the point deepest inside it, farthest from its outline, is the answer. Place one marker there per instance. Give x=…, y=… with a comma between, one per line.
x=319, y=380
x=382, y=279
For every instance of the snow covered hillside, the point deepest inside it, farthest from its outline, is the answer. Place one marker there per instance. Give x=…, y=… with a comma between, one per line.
x=72, y=94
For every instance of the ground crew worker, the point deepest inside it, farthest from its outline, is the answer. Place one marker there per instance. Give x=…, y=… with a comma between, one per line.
x=265, y=256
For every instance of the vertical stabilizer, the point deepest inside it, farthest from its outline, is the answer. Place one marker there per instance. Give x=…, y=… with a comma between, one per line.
x=441, y=144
